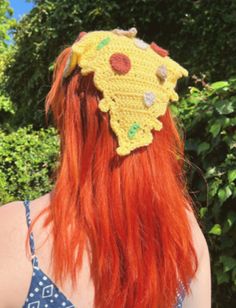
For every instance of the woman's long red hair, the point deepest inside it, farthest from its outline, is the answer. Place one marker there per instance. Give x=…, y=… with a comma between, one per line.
x=129, y=212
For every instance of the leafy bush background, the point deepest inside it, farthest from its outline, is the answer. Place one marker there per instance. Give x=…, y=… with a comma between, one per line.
x=208, y=118
x=27, y=161
x=200, y=35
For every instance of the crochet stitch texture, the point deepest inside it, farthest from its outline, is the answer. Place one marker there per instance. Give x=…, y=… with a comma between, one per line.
x=137, y=81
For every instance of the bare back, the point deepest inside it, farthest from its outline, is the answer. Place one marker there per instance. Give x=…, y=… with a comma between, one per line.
x=18, y=264
x=16, y=267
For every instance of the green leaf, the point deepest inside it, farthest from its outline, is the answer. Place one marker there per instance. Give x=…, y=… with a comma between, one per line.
x=213, y=187
x=174, y=109
x=51, y=67
x=211, y=171
x=224, y=193
x=194, y=99
x=231, y=175
x=219, y=85
x=231, y=218
x=194, y=90
x=225, y=107
x=216, y=230
x=202, y=147
x=215, y=129
x=203, y=212
x=228, y=263
x=222, y=277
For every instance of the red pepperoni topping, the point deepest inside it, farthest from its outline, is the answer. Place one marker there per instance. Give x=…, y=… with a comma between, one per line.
x=161, y=51
x=120, y=63
x=80, y=36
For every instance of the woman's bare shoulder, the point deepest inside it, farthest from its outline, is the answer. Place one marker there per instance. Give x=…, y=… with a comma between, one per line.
x=199, y=239
x=13, y=222
x=11, y=211
x=14, y=261
x=11, y=216
x=200, y=295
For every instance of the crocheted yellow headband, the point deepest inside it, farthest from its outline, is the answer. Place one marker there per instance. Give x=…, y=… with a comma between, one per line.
x=137, y=81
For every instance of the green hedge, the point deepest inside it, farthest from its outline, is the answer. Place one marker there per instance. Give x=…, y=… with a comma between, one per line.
x=209, y=124
x=199, y=34
x=27, y=159
x=207, y=119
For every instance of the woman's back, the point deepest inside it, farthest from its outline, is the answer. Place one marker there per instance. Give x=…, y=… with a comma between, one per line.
x=16, y=268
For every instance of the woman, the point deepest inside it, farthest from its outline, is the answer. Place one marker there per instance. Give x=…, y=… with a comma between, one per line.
x=118, y=229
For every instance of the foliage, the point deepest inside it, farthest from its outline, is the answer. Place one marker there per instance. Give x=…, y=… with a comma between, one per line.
x=200, y=35
x=208, y=119
x=209, y=124
x=187, y=28
x=6, y=23
x=6, y=51
x=7, y=109
x=27, y=161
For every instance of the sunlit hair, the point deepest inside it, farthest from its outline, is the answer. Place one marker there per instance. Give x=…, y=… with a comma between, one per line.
x=128, y=212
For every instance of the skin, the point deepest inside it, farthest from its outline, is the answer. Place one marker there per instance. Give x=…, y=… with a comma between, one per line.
x=16, y=267
x=201, y=285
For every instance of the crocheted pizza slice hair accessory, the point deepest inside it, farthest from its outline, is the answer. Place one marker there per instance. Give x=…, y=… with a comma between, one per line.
x=80, y=36
x=129, y=33
x=162, y=72
x=120, y=63
x=159, y=50
x=137, y=80
x=71, y=62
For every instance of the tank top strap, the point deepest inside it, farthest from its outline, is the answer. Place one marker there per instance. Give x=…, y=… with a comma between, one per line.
x=31, y=237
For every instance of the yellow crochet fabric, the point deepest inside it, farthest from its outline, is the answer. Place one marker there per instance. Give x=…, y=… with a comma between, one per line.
x=137, y=82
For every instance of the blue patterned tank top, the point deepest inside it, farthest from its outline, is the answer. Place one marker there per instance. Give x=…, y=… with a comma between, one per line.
x=43, y=293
